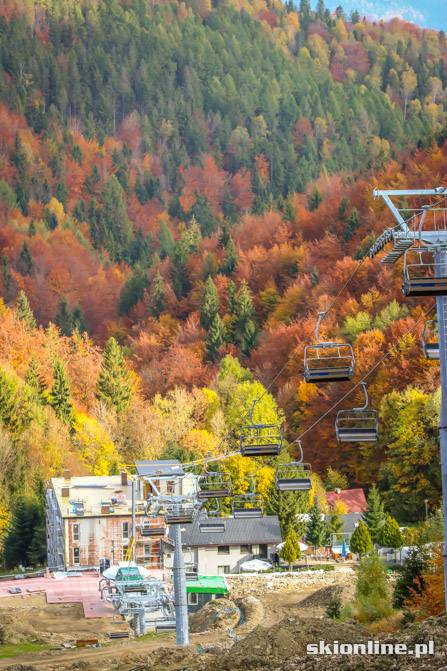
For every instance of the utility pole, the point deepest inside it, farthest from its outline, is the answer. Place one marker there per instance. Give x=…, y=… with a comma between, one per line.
x=403, y=238
x=441, y=305
x=180, y=596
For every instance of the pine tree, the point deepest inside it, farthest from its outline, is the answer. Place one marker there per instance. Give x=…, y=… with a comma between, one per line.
x=64, y=317
x=24, y=542
x=158, y=295
x=336, y=524
x=246, y=329
x=166, y=241
x=287, y=506
x=25, y=264
x=79, y=323
x=335, y=480
x=32, y=228
x=288, y=552
x=230, y=259
x=217, y=336
x=18, y=159
x=114, y=383
x=231, y=298
x=9, y=405
x=390, y=535
x=203, y=214
x=24, y=312
x=314, y=200
x=209, y=307
x=360, y=542
x=411, y=577
x=35, y=380
x=372, y=598
x=316, y=528
x=374, y=515
x=133, y=290
x=352, y=225
x=60, y=394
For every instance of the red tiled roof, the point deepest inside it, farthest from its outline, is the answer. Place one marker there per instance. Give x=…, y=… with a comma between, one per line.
x=354, y=499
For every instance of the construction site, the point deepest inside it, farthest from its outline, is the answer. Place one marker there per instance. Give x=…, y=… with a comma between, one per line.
x=265, y=622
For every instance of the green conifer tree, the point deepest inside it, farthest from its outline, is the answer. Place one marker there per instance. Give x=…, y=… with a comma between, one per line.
x=158, y=295
x=24, y=312
x=209, y=307
x=9, y=404
x=246, y=329
x=25, y=264
x=411, y=578
x=35, y=380
x=374, y=515
x=231, y=298
x=230, y=259
x=288, y=552
x=360, y=542
x=335, y=524
x=24, y=542
x=315, y=199
x=64, y=317
x=32, y=228
x=79, y=323
x=287, y=506
x=316, y=532
x=21, y=186
x=390, y=535
x=114, y=383
x=60, y=394
x=166, y=241
x=217, y=336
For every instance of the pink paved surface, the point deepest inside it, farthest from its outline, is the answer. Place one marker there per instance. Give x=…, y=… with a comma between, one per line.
x=82, y=589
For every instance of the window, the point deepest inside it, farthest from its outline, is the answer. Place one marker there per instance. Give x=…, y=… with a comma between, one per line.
x=125, y=529
x=170, y=487
x=76, y=556
x=147, y=552
x=223, y=550
x=263, y=550
x=223, y=569
x=75, y=532
x=246, y=549
x=193, y=599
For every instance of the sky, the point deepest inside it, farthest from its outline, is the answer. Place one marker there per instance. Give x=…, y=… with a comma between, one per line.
x=426, y=13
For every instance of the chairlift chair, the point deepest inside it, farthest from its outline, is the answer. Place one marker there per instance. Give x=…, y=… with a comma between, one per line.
x=328, y=361
x=211, y=523
x=148, y=528
x=247, y=506
x=357, y=425
x=419, y=279
x=295, y=476
x=431, y=347
x=258, y=439
x=179, y=513
x=164, y=625
x=213, y=485
x=118, y=628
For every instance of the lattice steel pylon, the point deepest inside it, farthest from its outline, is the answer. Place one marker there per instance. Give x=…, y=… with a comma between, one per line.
x=177, y=508
x=432, y=237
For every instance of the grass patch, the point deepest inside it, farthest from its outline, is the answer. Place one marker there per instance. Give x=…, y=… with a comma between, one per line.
x=14, y=649
x=152, y=636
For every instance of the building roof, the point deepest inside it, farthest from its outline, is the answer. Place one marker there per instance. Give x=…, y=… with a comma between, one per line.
x=92, y=490
x=207, y=584
x=237, y=532
x=165, y=468
x=350, y=522
x=354, y=499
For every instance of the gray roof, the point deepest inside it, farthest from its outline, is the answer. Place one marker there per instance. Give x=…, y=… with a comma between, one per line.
x=350, y=520
x=168, y=467
x=237, y=532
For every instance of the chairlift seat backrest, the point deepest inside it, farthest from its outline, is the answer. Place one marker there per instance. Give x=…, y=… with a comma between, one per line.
x=247, y=513
x=212, y=526
x=419, y=277
x=430, y=346
x=358, y=424
x=294, y=476
x=148, y=529
x=260, y=439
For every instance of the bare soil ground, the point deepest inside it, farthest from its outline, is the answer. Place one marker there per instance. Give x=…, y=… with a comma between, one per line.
x=280, y=618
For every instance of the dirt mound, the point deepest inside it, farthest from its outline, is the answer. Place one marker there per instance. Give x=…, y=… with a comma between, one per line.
x=21, y=667
x=323, y=596
x=213, y=617
x=252, y=611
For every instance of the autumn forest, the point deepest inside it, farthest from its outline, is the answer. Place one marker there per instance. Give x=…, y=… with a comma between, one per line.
x=183, y=187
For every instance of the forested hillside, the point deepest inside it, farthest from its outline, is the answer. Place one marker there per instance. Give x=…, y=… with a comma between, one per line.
x=182, y=188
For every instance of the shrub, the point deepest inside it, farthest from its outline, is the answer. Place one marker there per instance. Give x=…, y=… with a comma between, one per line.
x=333, y=610
x=373, y=601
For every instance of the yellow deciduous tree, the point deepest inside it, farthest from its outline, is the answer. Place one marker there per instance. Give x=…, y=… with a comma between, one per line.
x=97, y=451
